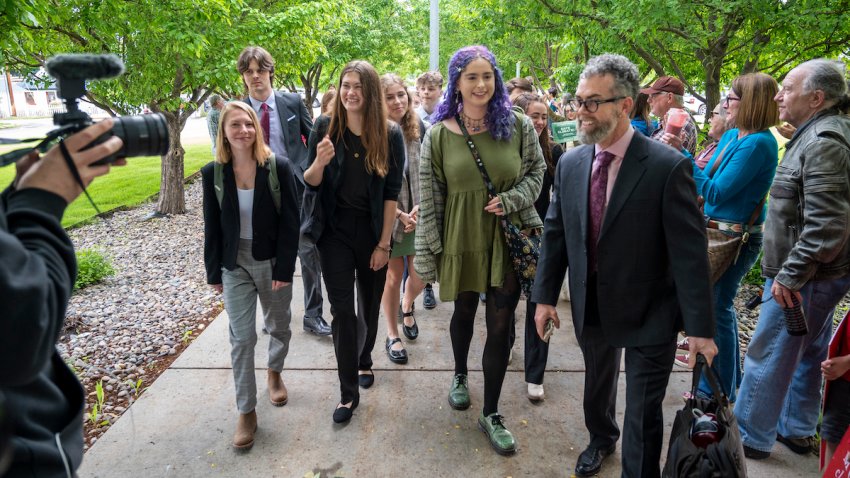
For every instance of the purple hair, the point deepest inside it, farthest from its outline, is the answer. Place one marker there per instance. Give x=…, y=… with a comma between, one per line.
x=500, y=116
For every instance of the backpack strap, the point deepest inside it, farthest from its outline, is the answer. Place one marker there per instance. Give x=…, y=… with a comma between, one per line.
x=274, y=182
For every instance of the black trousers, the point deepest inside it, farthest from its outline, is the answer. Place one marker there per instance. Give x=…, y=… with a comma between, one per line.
x=647, y=374
x=536, y=350
x=345, y=251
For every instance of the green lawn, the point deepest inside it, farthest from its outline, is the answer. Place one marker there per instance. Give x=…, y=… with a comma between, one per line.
x=124, y=186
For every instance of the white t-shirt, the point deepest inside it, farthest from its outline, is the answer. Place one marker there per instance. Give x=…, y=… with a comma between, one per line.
x=246, y=212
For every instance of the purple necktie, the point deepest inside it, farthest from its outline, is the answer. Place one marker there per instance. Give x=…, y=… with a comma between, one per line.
x=598, y=193
x=264, y=121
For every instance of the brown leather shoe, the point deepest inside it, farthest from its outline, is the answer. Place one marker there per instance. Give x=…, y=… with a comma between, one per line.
x=246, y=426
x=277, y=390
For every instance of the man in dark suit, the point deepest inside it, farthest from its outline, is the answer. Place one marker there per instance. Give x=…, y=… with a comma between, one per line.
x=286, y=126
x=624, y=218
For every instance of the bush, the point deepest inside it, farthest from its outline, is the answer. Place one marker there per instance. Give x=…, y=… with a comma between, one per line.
x=754, y=276
x=92, y=267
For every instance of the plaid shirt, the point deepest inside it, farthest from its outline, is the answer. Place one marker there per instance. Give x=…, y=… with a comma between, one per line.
x=689, y=134
x=408, y=197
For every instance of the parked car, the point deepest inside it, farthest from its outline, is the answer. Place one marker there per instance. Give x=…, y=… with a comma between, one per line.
x=694, y=105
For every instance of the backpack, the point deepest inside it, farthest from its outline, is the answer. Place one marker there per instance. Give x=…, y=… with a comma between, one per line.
x=274, y=182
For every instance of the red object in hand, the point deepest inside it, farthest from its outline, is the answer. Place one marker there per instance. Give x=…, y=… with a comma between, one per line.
x=676, y=119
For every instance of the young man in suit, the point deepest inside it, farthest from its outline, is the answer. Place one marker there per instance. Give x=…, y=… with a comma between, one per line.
x=624, y=218
x=287, y=125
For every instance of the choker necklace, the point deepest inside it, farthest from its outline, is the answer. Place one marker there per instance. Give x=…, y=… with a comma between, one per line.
x=472, y=124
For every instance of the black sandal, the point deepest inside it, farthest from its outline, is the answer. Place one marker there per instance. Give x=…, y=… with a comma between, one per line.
x=411, y=332
x=396, y=356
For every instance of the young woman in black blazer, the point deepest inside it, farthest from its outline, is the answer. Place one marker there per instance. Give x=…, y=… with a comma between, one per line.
x=355, y=168
x=249, y=252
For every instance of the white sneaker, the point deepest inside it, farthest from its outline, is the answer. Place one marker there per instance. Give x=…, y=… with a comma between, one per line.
x=535, y=392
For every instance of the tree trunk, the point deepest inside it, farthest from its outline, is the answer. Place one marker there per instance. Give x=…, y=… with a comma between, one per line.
x=171, y=198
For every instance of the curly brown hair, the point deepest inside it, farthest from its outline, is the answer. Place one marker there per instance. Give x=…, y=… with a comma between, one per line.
x=410, y=121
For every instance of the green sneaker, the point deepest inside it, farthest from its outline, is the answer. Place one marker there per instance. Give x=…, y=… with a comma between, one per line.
x=459, y=393
x=500, y=438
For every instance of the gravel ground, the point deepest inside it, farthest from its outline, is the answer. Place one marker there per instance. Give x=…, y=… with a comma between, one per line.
x=127, y=330
x=124, y=332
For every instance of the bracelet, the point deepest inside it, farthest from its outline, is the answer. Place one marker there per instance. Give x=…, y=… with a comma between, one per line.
x=388, y=250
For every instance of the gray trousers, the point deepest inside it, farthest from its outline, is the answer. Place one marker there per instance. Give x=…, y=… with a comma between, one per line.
x=251, y=279
x=311, y=269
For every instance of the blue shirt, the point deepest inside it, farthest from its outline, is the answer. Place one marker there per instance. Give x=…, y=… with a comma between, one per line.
x=743, y=178
x=640, y=125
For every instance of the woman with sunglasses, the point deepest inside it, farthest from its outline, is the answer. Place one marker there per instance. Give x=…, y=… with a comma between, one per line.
x=459, y=239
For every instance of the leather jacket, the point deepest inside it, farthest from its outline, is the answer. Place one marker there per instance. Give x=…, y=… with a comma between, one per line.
x=808, y=217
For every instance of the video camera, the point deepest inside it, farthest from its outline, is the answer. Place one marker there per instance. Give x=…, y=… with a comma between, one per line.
x=143, y=135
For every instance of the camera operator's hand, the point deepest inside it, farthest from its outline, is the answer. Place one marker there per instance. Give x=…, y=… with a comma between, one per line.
x=51, y=172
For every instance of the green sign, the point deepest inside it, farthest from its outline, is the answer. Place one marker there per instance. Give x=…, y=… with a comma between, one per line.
x=565, y=131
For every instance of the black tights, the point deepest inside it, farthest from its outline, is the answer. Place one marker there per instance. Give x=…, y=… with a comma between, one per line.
x=501, y=304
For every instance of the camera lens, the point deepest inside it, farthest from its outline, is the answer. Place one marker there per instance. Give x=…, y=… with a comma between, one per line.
x=143, y=135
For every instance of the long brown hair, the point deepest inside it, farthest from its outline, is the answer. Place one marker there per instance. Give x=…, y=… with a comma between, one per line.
x=524, y=101
x=375, y=132
x=223, y=154
x=410, y=121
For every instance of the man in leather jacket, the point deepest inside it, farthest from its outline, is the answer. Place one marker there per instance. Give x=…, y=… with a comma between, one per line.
x=37, y=271
x=806, y=261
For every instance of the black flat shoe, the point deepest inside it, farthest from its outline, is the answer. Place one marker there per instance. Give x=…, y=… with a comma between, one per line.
x=411, y=332
x=590, y=461
x=395, y=356
x=344, y=414
x=366, y=380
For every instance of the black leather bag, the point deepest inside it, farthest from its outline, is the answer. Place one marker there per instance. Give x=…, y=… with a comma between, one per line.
x=722, y=459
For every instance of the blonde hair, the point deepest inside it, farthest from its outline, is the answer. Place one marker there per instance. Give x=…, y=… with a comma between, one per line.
x=222, y=146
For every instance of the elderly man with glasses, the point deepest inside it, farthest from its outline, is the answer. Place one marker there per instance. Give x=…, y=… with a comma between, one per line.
x=668, y=92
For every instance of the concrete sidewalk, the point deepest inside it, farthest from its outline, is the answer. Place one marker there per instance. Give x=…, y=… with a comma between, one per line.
x=183, y=425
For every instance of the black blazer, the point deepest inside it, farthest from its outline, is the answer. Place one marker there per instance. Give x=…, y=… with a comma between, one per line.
x=380, y=189
x=296, y=123
x=275, y=236
x=652, y=262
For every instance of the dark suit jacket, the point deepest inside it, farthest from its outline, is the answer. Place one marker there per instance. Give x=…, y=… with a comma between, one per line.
x=275, y=236
x=652, y=265
x=380, y=189
x=296, y=124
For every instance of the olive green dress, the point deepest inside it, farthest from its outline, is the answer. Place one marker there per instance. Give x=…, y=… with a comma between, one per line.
x=474, y=255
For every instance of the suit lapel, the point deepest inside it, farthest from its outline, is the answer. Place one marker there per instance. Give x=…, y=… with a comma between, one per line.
x=579, y=186
x=631, y=171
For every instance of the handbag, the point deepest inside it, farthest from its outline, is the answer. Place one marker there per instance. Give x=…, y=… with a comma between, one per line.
x=523, y=248
x=723, y=249
x=723, y=453
x=312, y=212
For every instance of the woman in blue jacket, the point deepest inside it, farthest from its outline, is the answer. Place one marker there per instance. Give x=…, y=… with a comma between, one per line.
x=734, y=184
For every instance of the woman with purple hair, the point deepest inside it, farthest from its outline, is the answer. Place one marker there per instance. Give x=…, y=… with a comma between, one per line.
x=459, y=241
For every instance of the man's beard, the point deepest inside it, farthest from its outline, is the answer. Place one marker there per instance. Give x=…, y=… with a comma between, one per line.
x=600, y=132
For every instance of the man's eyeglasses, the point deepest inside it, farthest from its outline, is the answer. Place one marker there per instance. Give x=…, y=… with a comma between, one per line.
x=592, y=105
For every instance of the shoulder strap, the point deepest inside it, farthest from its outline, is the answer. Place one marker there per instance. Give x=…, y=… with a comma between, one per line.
x=218, y=182
x=719, y=160
x=476, y=156
x=274, y=182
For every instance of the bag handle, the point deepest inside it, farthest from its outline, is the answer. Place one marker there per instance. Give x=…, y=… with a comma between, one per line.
x=711, y=377
x=477, y=157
